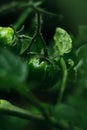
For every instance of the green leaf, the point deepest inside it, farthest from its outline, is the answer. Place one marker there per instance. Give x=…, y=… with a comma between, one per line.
x=63, y=42
x=65, y=112
x=79, y=102
x=78, y=99
x=12, y=123
x=81, y=38
x=38, y=45
x=25, y=42
x=12, y=66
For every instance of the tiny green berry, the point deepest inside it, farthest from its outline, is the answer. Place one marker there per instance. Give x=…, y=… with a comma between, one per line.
x=6, y=35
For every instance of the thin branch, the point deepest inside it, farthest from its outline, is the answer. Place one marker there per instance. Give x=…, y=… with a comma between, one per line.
x=64, y=79
x=23, y=90
x=47, y=12
x=22, y=18
x=6, y=108
x=14, y=6
x=38, y=34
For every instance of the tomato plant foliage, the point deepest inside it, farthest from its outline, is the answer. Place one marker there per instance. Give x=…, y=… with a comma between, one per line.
x=43, y=83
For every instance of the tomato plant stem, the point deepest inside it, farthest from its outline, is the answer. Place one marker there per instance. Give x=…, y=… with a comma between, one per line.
x=34, y=101
x=22, y=90
x=6, y=108
x=38, y=34
x=64, y=79
x=22, y=18
x=14, y=6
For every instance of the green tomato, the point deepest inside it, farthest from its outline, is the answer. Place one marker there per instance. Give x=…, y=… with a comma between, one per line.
x=6, y=35
x=43, y=74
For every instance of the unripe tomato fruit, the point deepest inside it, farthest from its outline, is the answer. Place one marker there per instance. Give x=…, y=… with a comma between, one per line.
x=6, y=35
x=43, y=74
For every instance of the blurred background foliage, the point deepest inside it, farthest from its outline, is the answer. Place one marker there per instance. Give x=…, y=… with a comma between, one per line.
x=73, y=11
x=74, y=20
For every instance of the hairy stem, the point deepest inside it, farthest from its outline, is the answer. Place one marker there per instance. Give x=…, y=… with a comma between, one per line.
x=38, y=34
x=22, y=18
x=6, y=108
x=23, y=91
x=64, y=79
x=14, y=6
